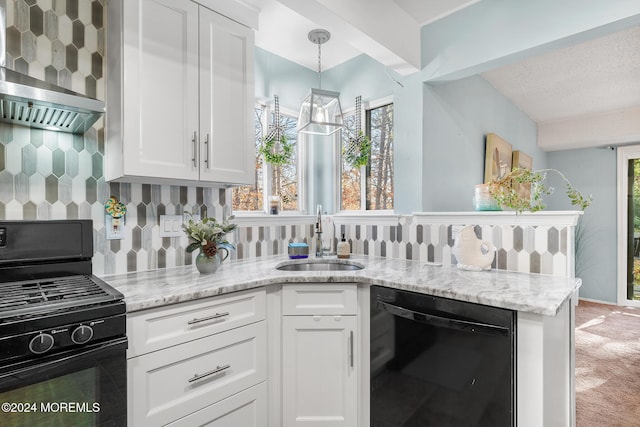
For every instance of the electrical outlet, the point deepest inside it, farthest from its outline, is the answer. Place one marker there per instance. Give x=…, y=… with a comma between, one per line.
x=171, y=225
x=114, y=227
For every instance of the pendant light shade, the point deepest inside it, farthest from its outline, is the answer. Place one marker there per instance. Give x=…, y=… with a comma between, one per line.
x=320, y=112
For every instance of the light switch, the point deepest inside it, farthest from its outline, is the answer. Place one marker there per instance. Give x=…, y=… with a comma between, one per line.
x=171, y=225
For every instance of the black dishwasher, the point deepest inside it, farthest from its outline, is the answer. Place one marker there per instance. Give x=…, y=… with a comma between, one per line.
x=440, y=362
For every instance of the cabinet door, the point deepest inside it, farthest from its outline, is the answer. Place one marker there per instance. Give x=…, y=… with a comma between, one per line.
x=160, y=96
x=226, y=100
x=320, y=381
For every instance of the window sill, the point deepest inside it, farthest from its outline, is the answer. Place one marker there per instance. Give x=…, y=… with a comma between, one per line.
x=246, y=219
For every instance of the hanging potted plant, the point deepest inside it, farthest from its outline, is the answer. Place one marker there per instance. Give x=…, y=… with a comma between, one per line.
x=504, y=193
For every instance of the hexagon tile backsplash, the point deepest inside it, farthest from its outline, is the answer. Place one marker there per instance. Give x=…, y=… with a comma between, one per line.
x=61, y=42
x=50, y=175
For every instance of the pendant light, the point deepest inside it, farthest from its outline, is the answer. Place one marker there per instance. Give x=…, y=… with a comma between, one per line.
x=320, y=113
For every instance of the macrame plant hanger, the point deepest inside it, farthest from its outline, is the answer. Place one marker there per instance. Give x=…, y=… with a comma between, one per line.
x=358, y=146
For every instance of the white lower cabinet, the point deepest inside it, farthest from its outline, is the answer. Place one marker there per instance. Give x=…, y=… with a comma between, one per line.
x=320, y=356
x=319, y=381
x=212, y=373
x=245, y=409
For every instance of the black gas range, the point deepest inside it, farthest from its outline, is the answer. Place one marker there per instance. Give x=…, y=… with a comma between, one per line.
x=62, y=330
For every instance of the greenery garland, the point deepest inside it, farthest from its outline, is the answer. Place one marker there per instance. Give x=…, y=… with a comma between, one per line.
x=358, y=150
x=280, y=156
x=503, y=192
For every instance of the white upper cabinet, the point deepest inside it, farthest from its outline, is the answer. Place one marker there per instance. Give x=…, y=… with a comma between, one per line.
x=179, y=94
x=226, y=100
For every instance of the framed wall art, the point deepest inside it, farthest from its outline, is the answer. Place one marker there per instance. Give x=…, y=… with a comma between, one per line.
x=498, y=158
x=522, y=161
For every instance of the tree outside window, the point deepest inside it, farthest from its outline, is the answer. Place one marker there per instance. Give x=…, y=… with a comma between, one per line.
x=377, y=176
x=280, y=180
x=351, y=198
x=380, y=168
x=284, y=181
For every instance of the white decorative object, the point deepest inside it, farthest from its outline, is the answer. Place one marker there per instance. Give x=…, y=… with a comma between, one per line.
x=471, y=252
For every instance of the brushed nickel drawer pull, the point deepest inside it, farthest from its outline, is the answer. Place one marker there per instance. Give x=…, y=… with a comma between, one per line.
x=197, y=377
x=351, y=349
x=204, y=319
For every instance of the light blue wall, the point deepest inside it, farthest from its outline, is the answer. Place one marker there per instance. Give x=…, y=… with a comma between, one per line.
x=491, y=33
x=366, y=77
x=457, y=117
x=275, y=75
x=439, y=129
x=495, y=32
x=591, y=171
x=360, y=76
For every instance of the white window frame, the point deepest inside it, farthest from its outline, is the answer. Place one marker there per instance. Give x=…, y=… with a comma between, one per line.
x=267, y=176
x=624, y=155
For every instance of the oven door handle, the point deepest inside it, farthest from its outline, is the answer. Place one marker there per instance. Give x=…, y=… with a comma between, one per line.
x=444, y=322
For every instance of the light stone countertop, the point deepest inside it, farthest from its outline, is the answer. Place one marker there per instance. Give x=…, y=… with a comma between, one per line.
x=533, y=293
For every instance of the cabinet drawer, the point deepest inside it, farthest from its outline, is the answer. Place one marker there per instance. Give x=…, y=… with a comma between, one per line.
x=247, y=409
x=162, y=327
x=319, y=298
x=172, y=383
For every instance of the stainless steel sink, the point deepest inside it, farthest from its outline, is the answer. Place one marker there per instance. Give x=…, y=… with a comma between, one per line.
x=321, y=265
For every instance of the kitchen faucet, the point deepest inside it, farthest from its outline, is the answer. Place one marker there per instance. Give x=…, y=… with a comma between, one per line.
x=319, y=232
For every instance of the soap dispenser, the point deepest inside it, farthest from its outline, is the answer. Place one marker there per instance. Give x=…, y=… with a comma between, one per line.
x=344, y=249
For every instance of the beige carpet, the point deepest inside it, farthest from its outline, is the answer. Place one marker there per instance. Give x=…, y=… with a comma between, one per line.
x=607, y=365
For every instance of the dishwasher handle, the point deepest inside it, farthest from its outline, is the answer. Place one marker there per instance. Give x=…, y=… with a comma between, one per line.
x=445, y=322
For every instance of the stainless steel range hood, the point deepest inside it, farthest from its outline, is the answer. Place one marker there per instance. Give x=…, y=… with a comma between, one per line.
x=31, y=102
x=27, y=101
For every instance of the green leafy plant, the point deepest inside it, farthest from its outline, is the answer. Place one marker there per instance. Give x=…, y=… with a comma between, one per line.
x=276, y=152
x=503, y=191
x=208, y=234
x=357, y=151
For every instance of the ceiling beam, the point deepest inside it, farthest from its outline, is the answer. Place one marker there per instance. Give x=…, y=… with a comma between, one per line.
x=365, y=25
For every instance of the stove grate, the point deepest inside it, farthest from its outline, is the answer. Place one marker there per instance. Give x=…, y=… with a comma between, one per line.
x=42, y=295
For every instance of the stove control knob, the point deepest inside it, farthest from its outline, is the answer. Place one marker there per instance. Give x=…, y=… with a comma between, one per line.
x=41, y=343
x=82, y=334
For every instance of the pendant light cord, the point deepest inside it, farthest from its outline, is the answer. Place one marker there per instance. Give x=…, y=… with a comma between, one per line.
x=319, y=65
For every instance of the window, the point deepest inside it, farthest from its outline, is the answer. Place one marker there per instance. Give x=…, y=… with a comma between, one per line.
x=370, y=187
x=251, y=197
x=284, y=179
x=269, y=179
x=628, y=169
x=350, y=177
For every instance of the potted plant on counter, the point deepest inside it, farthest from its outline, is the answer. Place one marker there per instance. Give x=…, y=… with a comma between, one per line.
x=208, y=235
x=506, y=195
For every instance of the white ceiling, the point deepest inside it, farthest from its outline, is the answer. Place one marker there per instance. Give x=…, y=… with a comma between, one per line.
x=284, y=29
x=598, y=75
